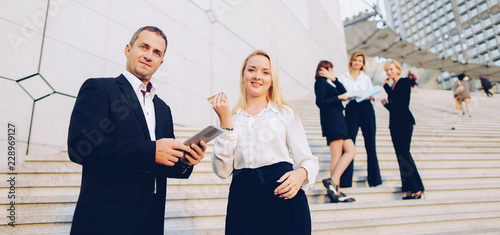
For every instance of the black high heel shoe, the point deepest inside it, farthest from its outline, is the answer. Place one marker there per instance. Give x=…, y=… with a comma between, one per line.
x=417, y=196
x=331, y=190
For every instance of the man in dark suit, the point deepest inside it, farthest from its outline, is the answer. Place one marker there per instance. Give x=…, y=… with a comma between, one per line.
x=123, y=136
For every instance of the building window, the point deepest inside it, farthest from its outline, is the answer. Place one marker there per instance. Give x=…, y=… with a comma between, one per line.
x=493, y=2
x=428, y=29
x=443, y=20
x=453, y=24
x=465, y=17
x=437, y=33
x=473, y=12
x=480, y=37
x=484, y=6
x=463, y=8
x=458, y=47
x=483, y=47
x=497, y=16
x=468, y=31
x=471, y=3
x=471, y=41
x=435, y=25
x=449, y=52
x=477, y=26
x=445, y=28
x=492, y=42
x=455, y=38
x=487, y=22
x=473, y=51
x=425, y=12
x=420, y=24
x=495, y=53
x=486, y=57
x=441, y=11
x=490, y=32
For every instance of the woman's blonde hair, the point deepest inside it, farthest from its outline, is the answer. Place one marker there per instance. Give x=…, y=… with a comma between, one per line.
x=353, y=56
x=395, y=63
x=274, y=94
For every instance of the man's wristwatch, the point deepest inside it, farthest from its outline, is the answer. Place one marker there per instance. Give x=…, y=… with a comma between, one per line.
x=228, y=129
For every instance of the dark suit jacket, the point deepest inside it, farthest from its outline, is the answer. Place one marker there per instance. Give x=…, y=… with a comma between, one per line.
x=108, y=136
x=399, y=104
x=330, y=107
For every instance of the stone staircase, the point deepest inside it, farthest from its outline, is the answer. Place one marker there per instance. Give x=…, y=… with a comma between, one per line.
x=458, y=158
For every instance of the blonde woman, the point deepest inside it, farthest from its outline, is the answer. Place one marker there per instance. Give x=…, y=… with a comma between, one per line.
x=401, y=123
x=361, y=115
x=266, y=195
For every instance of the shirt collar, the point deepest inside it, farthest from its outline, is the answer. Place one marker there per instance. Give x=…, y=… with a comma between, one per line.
x=137, y=84
x=361, y=74
x=269, y=107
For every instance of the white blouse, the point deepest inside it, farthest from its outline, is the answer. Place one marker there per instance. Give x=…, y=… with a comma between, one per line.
x=360, y=86
x=267, y=138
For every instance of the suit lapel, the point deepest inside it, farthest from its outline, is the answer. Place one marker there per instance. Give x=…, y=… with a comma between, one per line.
x=129, y=93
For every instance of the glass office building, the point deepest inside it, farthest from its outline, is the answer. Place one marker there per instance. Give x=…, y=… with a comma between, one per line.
x=463, y=30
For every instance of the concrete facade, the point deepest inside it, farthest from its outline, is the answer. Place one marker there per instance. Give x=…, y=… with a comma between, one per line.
x=50, y=47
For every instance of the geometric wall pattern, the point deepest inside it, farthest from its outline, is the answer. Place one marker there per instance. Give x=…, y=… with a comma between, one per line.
x=50, y=47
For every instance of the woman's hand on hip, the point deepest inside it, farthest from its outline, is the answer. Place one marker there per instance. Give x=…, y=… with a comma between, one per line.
x=291, y=183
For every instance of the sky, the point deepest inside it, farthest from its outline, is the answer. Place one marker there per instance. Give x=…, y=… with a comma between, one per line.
x=350, y=8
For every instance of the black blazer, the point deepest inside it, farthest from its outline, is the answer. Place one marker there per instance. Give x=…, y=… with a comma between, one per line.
x=330, y=107
x=108, y=136
x=399, y=104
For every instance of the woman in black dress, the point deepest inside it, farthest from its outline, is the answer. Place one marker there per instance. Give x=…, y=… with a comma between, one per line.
x=329, y=95
x=401, y=123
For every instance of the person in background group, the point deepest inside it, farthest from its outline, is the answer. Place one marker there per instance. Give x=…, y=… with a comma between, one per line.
x=266, y=195
x=401, y=123
x=122, y=134
x=329, y=96
x=360, y=115
x=461, y=91
x=487, y=85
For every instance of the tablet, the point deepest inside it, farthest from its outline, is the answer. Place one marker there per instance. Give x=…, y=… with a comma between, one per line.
x=207, y=134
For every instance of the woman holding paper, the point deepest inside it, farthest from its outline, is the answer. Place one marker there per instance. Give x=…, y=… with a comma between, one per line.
x=360, y=113
x=401, y=123
x=266, y=195
x=329, y=96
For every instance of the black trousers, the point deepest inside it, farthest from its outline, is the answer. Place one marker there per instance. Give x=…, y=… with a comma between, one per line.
x=254, y=209
x=401, y=139
x=362, y=115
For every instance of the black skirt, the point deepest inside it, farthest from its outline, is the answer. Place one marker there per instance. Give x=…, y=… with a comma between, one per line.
x=336, y=136
x=254, y=209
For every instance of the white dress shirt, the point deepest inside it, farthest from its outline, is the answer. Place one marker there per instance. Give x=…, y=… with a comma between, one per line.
x=267, y=138
x=358, y=87
x=146, y=101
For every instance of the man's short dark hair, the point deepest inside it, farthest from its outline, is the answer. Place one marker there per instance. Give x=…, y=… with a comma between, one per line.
x=151, y=29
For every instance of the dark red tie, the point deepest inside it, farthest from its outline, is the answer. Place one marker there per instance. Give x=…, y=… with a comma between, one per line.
x=148, y=89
